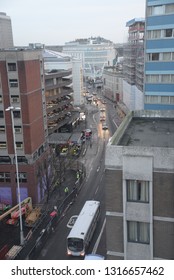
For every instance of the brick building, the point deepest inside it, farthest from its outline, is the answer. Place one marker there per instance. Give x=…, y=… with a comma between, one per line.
x=22, y=86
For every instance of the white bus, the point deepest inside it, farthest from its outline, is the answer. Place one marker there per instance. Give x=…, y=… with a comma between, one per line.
x=83, y=229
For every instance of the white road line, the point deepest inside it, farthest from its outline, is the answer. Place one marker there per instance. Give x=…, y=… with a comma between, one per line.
x=99, y=237
x=115, y=123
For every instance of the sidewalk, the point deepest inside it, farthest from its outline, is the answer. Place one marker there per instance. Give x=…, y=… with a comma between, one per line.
x=58, y=195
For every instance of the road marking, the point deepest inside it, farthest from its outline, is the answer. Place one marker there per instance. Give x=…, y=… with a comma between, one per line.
x=99, y=237
x=115, y=123
x=72, y=221
x=96, y=189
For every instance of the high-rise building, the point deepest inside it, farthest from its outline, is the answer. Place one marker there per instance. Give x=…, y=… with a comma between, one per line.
x=159, y=55
x=133, y=65
x=6, y=35
x=22, y=87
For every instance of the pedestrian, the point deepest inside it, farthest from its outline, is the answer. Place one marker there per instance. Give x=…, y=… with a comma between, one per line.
x=66, y=190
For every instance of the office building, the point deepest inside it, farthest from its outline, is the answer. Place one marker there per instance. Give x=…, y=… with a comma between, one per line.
x=159, y=55
x=139, y=176
x=94, y=55
x=22, y=86
x=6, y=35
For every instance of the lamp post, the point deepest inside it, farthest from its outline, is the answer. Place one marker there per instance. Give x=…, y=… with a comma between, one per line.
x=11, y=109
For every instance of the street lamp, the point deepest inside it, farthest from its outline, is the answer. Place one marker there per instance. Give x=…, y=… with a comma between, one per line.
x=11, y=109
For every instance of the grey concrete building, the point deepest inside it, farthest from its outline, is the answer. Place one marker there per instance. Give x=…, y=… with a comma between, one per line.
x=113, y=83
x=6, y=35
x=139, y=169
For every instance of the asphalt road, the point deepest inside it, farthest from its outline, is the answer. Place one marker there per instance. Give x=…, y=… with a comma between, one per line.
x=93, y=187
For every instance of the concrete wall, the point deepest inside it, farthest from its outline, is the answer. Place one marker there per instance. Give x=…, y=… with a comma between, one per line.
x=153, y=164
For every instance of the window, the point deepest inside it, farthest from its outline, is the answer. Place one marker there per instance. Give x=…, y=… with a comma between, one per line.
x=18, y=129
x=155, y=10
x=152, y=99
x=161, y=33
x=171, y=99
x=158, y=10
x=165, y=78
x=13, y=82
x=168, y=32
x=19, y=145
x=5, y=160
x=0, y=98
x=15, y=98
x=1, y=114
x=16, y=114
x=164, y=99
x=5, y=177
x=152, y=78
x=138, y=232
x=3, y=145
x=155, y=56
x=22, y=159
x=2, y=128
x=169, y=8
x=172, y=78
x=22, y=177
x=167, y=56
x=137, y=191
x=11, y=66
x=156, y=34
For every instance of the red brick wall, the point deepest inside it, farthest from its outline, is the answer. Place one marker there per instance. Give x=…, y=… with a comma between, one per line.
x=31, y=103
x=6, y=101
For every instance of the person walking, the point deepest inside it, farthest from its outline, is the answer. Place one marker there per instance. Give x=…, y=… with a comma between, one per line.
x=66, y=191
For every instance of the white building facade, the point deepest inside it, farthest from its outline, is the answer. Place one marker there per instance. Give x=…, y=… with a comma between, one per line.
x=6, y=35
x=94, y=57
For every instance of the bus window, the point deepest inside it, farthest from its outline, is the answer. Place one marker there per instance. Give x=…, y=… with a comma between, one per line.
x=75, y=244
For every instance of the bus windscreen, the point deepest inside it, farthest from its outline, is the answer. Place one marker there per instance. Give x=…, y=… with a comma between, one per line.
x=75, y=244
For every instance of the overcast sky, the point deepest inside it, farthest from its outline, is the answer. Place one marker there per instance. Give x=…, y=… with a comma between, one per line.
x=54, y=22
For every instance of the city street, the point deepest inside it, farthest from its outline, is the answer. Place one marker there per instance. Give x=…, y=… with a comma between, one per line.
x=93, y=188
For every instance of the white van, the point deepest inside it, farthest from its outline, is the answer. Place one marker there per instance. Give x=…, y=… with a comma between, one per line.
x=94, y=257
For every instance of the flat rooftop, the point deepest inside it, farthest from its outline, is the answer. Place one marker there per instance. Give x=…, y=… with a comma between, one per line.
x=149, y=132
